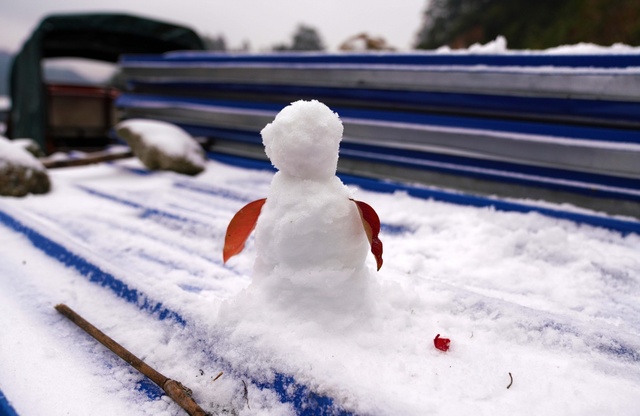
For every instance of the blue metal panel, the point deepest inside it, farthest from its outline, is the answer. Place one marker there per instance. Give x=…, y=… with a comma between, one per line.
x=419, y=100
x=421, y=59
x=489, y=124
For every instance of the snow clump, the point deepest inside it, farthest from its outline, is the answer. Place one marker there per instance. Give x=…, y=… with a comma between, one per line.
x=304, y=139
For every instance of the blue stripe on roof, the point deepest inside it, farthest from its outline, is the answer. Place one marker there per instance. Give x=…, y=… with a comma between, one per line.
x=91, y=271
x=424, y=59
x=5, y=407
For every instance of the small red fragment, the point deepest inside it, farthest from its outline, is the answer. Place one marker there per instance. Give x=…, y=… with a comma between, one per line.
x=441, y=343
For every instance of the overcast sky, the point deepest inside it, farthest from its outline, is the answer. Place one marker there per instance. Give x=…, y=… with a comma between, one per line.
x=263, y=23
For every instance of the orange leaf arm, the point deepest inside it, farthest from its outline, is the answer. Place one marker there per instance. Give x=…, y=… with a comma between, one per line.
x=371, y=224
x=240, y=228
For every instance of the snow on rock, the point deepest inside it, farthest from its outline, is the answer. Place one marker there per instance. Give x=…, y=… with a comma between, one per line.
x=30, y=146
x=20, y=172
x=163, y=146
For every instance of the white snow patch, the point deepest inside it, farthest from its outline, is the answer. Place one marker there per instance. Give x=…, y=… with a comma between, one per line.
x=499, y=46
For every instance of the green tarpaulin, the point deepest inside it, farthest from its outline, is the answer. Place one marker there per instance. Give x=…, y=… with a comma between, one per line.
x=94, y=36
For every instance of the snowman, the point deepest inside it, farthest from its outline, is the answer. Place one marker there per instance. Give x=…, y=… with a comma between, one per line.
x=309, y=233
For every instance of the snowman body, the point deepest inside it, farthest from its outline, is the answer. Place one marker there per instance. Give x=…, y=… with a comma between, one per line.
x=309, y=224
x=310, y=239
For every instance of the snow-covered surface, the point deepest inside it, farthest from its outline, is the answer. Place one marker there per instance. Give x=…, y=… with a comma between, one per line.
x=542, y=313
x=14, y=154
x=551, y=302
x=500, y=45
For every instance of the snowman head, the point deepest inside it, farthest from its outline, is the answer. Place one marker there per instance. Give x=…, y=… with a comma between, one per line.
x=303, y=140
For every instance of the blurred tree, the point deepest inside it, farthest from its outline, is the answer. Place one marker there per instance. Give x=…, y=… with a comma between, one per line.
x=215, y=43
x=365, y=42
x=245, y=46
x=305, y=38
x=281, y=47
x=529, y=24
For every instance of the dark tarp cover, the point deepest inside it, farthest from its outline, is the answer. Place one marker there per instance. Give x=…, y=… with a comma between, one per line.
x=94, y=36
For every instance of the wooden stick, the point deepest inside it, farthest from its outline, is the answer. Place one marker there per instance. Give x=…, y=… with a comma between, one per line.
x=179, y=393
x=95, y=157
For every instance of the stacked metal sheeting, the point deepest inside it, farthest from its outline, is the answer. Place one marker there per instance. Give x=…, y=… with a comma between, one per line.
x=564, y=128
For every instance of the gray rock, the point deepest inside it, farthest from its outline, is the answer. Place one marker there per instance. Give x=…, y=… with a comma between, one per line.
x=163, y=146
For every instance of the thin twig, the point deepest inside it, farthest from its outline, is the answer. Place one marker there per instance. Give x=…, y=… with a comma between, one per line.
x=90, y=158
x=174, y=389
x=217, y=377
x=246, y=394
x=511, y=383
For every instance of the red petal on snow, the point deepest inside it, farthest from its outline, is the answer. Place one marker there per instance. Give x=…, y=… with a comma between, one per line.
x=371, y=224
x=441, y=343
x=240, y=228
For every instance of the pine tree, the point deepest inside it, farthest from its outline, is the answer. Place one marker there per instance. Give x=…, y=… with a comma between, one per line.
x=305, y=38
x=529, y=24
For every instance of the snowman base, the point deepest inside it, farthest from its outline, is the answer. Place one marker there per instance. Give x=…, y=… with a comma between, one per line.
x=333, y=301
